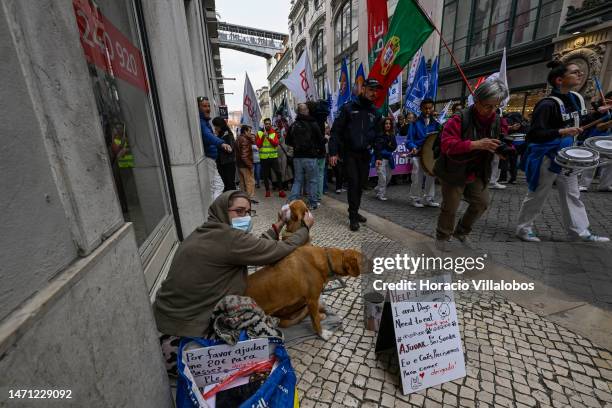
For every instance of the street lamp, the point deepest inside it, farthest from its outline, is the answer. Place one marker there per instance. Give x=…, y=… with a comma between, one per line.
x=225, y=79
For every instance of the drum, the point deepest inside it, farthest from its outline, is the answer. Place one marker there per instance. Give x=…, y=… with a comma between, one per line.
x=426, y=155
x=577, y=158
x=515, y=137
x=601, y=144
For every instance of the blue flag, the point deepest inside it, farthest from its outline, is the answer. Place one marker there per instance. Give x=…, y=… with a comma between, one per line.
x=418, y=89
x=432, y=90
x=344, y=86
x=359, y=80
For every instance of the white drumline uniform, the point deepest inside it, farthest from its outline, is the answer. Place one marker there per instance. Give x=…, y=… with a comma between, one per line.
x=573, y=211
x=495, y=171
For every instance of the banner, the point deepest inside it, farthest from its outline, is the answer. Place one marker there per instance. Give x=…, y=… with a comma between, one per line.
x=409, y=29
x=403, y=164
x=359, y=80
x=395, y=90
x=251, y=114
x=378, y=24
x=344, y=88
x=300, y=81
x=417, y=91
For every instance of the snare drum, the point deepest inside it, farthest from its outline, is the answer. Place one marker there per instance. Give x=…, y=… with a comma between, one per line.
x=601, y=144
x=577, y=158
x=515, y=137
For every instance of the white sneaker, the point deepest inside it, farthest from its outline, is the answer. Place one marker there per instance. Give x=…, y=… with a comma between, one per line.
x=496, y=186
x=431, y=203
x=527, y=236
x=382, y=198
x=593, y=238
x=583, y=188
x=417, y=204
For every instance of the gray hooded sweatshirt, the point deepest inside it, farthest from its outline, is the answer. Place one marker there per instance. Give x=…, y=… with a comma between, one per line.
x=210, y=264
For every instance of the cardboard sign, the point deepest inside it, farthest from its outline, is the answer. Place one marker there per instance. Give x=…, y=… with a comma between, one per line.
x=209, y=365
x=427, y=338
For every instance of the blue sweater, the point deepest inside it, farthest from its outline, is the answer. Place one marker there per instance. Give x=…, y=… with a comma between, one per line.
x=417, y=132
x=535, y=153
x=211, y=142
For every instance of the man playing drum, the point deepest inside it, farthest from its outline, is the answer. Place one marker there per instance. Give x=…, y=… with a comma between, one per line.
x=469, y=141
x=417, y=134
x=556, y=121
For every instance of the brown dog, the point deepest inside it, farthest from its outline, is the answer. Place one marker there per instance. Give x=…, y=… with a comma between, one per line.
x=293, y=213
x=298, y=280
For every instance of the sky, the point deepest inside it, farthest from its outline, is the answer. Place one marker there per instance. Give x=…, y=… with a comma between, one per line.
x=267, y=15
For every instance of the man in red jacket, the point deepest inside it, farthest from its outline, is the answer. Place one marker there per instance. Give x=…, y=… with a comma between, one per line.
x=469, y=141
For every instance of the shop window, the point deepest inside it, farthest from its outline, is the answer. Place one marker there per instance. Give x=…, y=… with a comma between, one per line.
x=550, y=13
x=110, y=39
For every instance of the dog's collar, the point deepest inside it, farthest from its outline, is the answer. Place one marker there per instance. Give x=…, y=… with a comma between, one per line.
x=330, y=268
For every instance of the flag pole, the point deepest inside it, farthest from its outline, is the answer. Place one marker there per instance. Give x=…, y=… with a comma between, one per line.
x=447, y=48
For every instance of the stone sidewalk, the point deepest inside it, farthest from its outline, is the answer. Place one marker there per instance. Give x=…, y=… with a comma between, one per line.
x=514, y=357
x=580, y=270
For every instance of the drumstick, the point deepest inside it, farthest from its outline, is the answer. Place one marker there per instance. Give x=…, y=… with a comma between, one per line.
x=605, y=124
x=590, y=125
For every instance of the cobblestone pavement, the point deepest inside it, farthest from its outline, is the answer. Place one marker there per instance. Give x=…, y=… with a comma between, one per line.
x=581, y=270
x=514, y=358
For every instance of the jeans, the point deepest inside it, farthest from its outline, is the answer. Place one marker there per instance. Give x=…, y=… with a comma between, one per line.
x=321, y=177
x=257, y=172
x=305, y=174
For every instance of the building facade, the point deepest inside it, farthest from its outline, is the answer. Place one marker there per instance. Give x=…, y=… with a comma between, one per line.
x=263, y=98
x=279, y=68
x=106, y=174
x=531, y=31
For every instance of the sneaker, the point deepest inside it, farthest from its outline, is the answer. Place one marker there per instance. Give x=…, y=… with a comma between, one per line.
x=593, y=238
x=417, y=204
x=282, y=194
x=268, y=194
x=496, y=186
x=361, y=218
x=512, y=181
x=314, y=206
x=382, y=198
x=527, y=236
x=583, y=188
x=354, y=225
x=339, y=191
x=431, y=203
x=465, y=241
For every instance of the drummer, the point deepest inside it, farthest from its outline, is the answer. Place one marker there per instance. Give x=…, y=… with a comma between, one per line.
x=605, y=172
x=550, y=133
x=417, y=134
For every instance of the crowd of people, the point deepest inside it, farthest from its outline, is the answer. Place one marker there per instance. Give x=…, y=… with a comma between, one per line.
x=478, y=148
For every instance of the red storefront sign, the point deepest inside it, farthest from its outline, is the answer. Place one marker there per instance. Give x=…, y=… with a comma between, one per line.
x=107, y=48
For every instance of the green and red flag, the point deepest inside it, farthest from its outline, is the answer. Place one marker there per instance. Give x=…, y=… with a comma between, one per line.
x=409, y=29
x=378, y=25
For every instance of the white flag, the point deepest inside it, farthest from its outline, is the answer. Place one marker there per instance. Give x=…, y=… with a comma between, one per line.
x=251, y=114
x=414, y=65
x=502, y=76
x=301, y=81
x=395, y=90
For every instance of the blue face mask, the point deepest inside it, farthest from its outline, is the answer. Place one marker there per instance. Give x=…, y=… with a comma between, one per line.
x=243, y=223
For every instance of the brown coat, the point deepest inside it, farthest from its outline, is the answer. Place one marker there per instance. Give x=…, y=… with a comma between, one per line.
x=210, y=264
x=244, y=151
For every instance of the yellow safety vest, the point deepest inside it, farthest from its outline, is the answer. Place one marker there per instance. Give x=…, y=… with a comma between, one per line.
x=125, y=161
x=267, y=151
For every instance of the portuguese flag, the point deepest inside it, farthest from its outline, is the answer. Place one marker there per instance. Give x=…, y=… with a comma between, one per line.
x=408, y=30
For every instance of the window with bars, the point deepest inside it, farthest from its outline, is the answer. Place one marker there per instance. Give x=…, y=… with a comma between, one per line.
x=318, y=51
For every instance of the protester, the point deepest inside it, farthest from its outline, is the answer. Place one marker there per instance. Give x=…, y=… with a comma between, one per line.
x=417, y=134
x=305, y=137
x=469, y=140
x=384, y=146
x=226, y=161
x=410, y=118
x=402, y=126
x=320, y=111
x=211, y=145
x=267, y=142
x=457, y=107
x=212, y=261
x=256, y=164
x=551, y=131
x=285, y=158
x=244, y=161
x=352, y=135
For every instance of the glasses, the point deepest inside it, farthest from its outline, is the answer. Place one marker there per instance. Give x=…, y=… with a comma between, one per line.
x=488, y=106
x=241, y=212
x=576, y=72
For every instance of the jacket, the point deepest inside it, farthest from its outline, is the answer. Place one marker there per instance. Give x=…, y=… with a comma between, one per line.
x=267, y=144
x=210, y=264
x=243, y=149
x=384, y=146
x=458, y=164
x=305, y=137
x=210, y=141
x=355, y=128
x=417, y=132
x=224, y=157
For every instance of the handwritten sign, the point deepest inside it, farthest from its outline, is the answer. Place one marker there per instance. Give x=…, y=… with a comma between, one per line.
x=427, y=338
x=209, y=365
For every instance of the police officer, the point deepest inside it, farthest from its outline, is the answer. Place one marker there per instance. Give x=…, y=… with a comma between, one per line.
x=352, y=136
